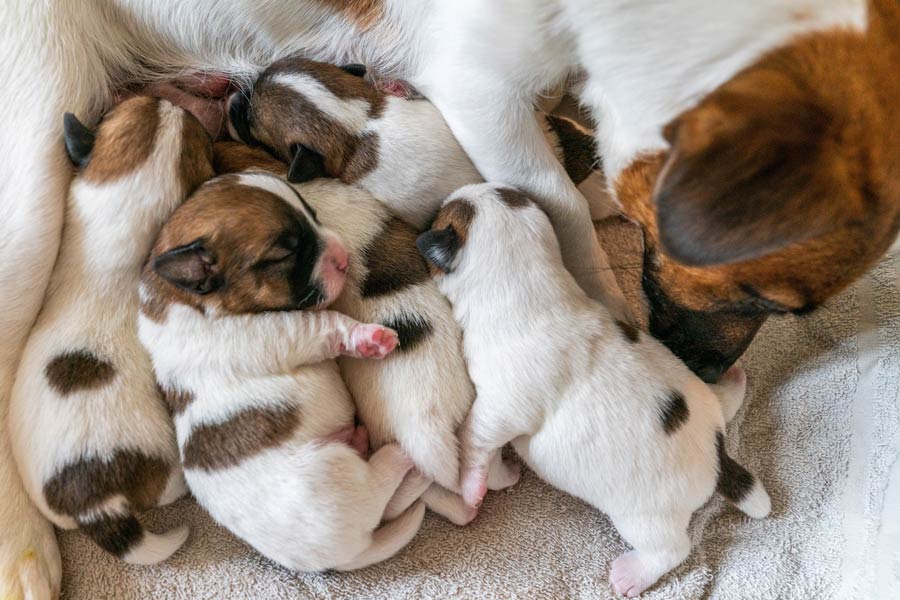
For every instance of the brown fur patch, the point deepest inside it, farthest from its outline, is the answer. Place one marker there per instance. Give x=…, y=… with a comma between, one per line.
x=78, y=370
x=513, y=198
x=125, y=139
x=81, y=486
x=629, y=331
x=235, y=157
x=176, y=399
x=673, y=412
x=363, y=160
x=117, y=535
x=578, y=148
x=196, y=155
x=392, y=260
x=363, y=13
x=245, y=434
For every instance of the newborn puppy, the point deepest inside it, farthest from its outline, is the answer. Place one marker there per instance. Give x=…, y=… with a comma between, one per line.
x=595, y=407
x=91, y=434
x=420, y=394
x=326, y=121
x=232, y=299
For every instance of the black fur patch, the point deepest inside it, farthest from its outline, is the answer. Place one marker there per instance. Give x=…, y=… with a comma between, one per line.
x=735, y=482
x=631, y=333
x=674, y=412
x=578, y=148
x=411, y=331
x=116, y=535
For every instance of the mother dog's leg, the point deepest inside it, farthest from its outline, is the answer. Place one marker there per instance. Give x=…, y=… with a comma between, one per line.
x=46, y=71
x=497, y=128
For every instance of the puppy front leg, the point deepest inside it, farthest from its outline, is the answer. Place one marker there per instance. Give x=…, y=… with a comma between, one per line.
x=483, y=434
x=499, y=132
x=278, y=342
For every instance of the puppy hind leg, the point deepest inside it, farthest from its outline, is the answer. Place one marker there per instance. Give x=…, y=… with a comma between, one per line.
x=660, y=544
x=176, y=487
x=410, y=490
x=502, y=473
x=388, y=467
x=730, y=391
x=449, y=505
x=388, y=539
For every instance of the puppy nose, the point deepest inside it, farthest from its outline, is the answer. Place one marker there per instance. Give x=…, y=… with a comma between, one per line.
x=339, y=258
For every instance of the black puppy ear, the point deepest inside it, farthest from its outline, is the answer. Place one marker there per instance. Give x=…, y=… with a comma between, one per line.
x=79, y=140
x=439, y=247
x=355, y=69
x=307, y=165
x=239, y=118
x=191, y=267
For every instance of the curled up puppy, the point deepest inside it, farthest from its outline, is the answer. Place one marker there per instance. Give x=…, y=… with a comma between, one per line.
x=594, y=406
x=90, y=432
x=420, y=394
x=234, y=299
x=326, y=121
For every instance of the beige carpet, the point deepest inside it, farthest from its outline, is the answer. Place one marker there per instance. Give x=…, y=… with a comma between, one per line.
x=821, y=427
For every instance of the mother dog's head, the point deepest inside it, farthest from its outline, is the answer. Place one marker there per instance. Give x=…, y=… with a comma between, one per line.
x=779, y=189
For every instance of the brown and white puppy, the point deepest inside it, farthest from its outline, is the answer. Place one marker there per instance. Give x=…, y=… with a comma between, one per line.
x=233, y=298
x=420, y=394
x=106, y=449
x=328, y=122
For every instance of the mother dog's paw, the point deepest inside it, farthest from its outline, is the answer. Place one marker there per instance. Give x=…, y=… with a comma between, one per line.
x=30, y=565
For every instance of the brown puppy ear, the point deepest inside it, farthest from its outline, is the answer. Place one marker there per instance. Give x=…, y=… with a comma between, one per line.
x=439, y=247
x=191, y=267
x=752, y=169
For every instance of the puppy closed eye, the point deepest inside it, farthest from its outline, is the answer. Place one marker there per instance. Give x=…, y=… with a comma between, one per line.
x=281, y=252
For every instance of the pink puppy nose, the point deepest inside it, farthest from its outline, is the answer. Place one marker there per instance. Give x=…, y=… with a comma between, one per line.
x=337, y=256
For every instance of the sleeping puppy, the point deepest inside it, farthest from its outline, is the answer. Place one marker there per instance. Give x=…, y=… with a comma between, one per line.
x=420, y=395
x=106, y=449
x=326, y=121
x=594, y=406
x=233, y=298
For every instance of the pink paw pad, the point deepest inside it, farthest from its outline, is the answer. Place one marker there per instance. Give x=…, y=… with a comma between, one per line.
x=373, y=341
x=627, y=575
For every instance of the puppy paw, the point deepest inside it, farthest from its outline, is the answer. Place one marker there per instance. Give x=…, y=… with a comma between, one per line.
x=628, y=575
x=30, y=565
x=503, y=474
x=473, y=486
x=372, y=341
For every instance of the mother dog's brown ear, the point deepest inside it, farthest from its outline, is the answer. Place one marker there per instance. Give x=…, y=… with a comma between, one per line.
x=755, y=167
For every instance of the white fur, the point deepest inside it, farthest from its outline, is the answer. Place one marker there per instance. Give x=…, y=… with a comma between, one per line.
x=308, y=503
x=580, y=402
x=423, y=417
x=92, y=305
x=479, y=63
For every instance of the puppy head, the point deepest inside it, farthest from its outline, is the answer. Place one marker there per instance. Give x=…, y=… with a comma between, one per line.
x=141, y=132
x=248, y=243
x=309, y=114
x=476, y=227
x=779, y=190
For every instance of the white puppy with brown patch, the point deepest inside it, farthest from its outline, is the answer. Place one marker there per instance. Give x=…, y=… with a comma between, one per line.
x=594, y=406
x=92, y=438
x=326, y=121
x=420, y=394
x=231, y=299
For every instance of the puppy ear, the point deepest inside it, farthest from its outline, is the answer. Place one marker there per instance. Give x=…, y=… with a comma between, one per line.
x=355, y=69
x=307, y=165
x=751, y=170
x=191, y=267
x=79, y=140
x=439, y=247
x=239, y=117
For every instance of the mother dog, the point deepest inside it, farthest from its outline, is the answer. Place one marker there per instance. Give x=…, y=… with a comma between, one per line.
x=757, y=142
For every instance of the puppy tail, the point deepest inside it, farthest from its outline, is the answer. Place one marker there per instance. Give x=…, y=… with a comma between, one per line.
x=737, y=485
x=124, y=536
x=389, y=539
